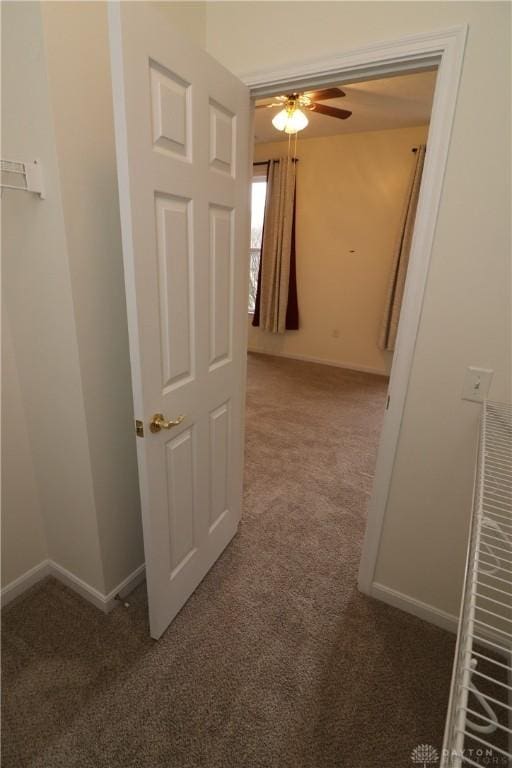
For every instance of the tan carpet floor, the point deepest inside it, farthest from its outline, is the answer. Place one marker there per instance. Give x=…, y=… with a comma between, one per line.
x=277, y=661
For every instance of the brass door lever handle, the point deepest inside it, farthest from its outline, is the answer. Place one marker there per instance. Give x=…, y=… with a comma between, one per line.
x=158, y=422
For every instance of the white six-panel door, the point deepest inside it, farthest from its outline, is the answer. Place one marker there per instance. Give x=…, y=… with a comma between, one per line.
x=182, y=138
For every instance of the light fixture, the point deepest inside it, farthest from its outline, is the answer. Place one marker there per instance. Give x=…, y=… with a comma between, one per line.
x=291, y=119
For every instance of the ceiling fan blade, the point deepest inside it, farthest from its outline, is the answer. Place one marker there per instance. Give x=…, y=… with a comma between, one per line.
x=267, y=106
x=326, y=93
x=323, y=109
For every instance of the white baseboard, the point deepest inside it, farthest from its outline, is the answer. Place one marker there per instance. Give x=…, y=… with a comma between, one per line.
x=415, y=607
x=50, y=568
x=24, y=582
x=321, y=361
x=126, y=586
x=85, y=590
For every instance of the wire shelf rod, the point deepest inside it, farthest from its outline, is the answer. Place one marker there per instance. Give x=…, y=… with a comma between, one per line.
x=503, y=538
x=500, y=482
x=497, y=504
x=491, y=576
x=495, y=589
x=499, y=441
x=500, y=464
x=490, y=679
x=494, y=629
x=495, y=567
x=492, y=600
x=500, y=444
x=505, y=525
x=483, y=717
x=499, y=455
x=493, y=644
x=487, y=743
x=501, y=498
x=488, y=506
x=495, y=538
x=492, y=613
x=490, y=469
x=492, y=661
x=494, y=701
x=503, y=502
x=496, y=424
x=497, y=414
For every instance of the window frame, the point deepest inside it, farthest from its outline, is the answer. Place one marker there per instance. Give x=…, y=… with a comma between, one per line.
x=259, y=175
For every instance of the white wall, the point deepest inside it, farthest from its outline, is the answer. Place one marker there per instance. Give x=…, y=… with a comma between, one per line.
x=466, y=315
x=188, y=17
x=37, y=298
x=23, y=538
x=351, y=190
x=81, y=98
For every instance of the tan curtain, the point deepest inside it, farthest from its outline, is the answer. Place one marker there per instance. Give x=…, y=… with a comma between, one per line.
x=277, y=245
x=401, y=261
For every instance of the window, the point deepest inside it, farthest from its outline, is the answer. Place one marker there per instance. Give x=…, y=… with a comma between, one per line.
x=259, y=192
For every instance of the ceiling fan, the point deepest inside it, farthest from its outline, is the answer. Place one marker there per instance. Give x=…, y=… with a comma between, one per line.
x=292, y=118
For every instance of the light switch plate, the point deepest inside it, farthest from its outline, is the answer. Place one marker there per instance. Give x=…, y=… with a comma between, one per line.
x=476, y=384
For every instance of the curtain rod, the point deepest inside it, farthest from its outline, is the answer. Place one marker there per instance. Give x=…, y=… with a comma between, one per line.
x=276, y=159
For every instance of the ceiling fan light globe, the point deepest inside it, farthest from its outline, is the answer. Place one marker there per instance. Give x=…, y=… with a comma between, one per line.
x=296, y=122
x=290, y=121
x=280, y=120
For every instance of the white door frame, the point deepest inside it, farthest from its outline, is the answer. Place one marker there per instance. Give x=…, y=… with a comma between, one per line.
x=444, y=49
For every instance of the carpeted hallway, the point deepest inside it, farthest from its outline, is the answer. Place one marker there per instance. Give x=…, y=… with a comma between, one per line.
x=276, y=661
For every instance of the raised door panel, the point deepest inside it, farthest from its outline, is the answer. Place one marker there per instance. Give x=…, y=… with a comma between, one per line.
x=179, y=454
x=170, y=106
x=175, y=279
x=221, y=285
x=222, y=139
x=219, y=463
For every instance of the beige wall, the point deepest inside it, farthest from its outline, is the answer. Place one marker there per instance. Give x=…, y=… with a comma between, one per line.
x=81, y=96
x=23, y=538
x=350, y=194
x=466, y=315
x=188, y=17
x=36, y=293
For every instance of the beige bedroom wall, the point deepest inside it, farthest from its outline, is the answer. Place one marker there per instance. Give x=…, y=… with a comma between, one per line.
x=350, y=194
x=466, y=314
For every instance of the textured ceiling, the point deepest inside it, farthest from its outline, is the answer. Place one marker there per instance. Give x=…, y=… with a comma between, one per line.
x=391, y=102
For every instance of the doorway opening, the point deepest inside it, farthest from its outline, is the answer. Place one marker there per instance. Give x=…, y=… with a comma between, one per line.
x=444, y=50
x=317, y=396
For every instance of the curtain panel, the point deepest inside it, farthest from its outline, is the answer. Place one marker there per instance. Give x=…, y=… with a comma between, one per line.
x=396, y=287
x=276, y=308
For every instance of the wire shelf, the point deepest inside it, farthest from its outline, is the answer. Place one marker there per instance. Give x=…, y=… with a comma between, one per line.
x=479, y=721
x=23, y=175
